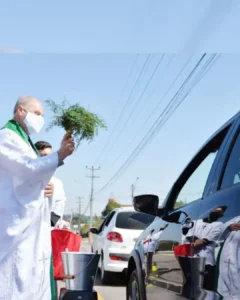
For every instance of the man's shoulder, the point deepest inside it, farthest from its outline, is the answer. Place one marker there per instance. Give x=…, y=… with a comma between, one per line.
x=6, y=133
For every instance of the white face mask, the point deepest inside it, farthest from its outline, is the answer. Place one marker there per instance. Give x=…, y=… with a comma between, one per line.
x=34, y=123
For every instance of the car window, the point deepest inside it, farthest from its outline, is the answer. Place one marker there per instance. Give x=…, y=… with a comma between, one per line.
x=106, y=221
x=110, y=218
x=194, y=187
x=133, y=220
x=194, y=178
x=232, y=171
x=102, y=226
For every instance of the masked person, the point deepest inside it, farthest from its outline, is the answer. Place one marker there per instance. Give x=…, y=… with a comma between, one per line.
x=206, y=236
x=25, y=215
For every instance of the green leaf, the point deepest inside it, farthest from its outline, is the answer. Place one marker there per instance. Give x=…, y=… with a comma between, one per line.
x=83, y=124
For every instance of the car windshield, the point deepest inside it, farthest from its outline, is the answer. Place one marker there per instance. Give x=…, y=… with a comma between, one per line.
x=133, y=220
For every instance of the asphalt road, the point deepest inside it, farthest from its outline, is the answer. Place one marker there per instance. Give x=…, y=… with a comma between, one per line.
x=115, y=291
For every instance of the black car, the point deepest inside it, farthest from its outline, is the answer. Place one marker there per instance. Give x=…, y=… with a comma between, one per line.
x=192, y=248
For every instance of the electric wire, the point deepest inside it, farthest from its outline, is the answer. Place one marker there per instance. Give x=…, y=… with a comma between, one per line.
x=123, y=109
x=156, y=126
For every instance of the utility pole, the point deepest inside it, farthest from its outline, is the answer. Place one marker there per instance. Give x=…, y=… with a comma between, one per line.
x=71, y=221
x=92, y=176
x=132, y=192
x=133, y=188
x=79, y=202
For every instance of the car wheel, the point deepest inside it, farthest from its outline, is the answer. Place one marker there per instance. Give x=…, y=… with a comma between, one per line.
x=104, y=274
x=133, y=290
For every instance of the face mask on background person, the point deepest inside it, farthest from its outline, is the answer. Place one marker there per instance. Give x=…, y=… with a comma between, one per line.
x=34, y=123
x=215, y=215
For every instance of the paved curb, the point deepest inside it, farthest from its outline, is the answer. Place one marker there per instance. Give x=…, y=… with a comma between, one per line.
x=100, y=297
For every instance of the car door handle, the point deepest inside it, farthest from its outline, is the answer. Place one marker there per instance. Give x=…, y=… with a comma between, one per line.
x=187, y=223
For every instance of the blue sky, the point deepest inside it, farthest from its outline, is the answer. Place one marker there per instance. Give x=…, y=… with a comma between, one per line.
x=93, y=26
x=85, y=50
x=97, y=81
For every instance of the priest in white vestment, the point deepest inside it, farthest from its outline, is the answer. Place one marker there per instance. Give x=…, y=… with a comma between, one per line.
x=25, y=214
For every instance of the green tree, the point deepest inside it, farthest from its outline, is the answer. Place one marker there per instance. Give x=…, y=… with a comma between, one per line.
x=179, y=204
x=97, y=221
x=112, y=204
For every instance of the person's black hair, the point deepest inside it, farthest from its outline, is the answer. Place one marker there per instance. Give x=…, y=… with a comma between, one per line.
x=41, y=145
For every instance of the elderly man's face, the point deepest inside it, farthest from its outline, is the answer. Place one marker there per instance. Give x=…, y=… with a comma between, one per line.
x=45, y=152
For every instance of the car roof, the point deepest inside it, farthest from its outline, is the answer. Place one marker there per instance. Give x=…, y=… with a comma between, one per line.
x=124, y=209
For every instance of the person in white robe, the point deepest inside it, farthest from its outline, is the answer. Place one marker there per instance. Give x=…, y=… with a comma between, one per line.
x=25, y=214
x=57, y=200
x=229, y=261
x=58, y=197
x=204, y=236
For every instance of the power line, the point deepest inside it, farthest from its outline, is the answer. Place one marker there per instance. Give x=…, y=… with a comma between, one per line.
x=139, y=100
x=128, y=77
x=146, y=100
x=171, y=104
x=157, y=106
x=121, y=95
x=155, y=126
x=123, y=109
x=167, y=111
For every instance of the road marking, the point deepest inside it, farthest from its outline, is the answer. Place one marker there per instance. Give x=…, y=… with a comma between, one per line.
x=100, y=297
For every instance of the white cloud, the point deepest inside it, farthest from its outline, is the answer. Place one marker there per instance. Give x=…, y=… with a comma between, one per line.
x=9, y=51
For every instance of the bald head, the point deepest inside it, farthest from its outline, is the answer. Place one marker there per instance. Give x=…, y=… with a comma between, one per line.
x=27, y=102
x=26, y=105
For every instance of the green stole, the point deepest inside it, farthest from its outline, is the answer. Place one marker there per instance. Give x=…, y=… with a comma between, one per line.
x=14, y=126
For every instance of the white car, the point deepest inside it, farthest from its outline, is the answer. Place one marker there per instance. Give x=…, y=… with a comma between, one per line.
x=116, y=237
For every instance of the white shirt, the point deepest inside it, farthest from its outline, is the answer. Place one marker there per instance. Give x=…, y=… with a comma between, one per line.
x=58, y=199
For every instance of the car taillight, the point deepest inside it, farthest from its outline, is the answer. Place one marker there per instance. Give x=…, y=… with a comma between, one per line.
x=115, y=237
x=116, y=258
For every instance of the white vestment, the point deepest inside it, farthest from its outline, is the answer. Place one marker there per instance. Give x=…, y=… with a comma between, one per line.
x=25, y=243
x=229, y=264
x=210, y=232
x=58, y=199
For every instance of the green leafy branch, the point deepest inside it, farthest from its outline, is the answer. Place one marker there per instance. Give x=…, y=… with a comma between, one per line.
x=82, y=124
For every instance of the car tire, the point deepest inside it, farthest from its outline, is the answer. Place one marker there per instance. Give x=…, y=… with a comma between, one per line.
x=105, y=275
x=133, y=289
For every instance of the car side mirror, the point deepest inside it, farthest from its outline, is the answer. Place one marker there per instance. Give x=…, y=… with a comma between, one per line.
x=94, y=230
x=147, y=204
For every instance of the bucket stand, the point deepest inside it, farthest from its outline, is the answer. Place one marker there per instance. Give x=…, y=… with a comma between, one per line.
x=83, y=295
x=83, y=267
